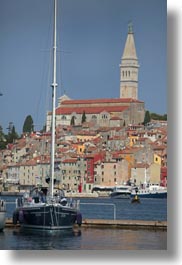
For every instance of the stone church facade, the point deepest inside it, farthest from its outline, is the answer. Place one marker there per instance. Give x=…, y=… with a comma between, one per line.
x=108, y=112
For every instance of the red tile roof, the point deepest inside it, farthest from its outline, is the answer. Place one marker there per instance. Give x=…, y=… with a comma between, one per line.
x=102, y=100
x=70, y=160
x=89, y=110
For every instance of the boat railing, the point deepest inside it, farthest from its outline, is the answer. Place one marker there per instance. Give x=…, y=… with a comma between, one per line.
x=48, y=199
x=2, y=205
x=64, y=201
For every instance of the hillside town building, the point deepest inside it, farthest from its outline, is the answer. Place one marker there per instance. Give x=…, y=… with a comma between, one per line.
x=110, y=147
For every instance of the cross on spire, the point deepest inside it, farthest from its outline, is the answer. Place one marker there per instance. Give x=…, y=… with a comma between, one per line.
x=130, y=27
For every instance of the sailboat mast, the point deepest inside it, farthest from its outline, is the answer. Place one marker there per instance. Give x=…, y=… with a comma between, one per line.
x=54, y=86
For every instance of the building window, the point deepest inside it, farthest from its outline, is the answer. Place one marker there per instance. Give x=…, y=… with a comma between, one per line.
x=104, y=116
x=94, y=117
x=140, y=107
x=63, y=117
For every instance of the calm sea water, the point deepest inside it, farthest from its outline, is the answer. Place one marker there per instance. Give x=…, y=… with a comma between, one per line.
x=103, y=208
x=91, y=238
x=85, y=239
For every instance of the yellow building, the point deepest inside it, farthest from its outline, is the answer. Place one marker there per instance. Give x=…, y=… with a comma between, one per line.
x=86, y=136
x=157, y=159
x=80, y=147
x=155, y=173
x=132, y=140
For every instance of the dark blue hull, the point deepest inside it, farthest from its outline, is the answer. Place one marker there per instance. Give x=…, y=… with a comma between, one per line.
x=47, y=217
x=119, y=195
x=151, y=195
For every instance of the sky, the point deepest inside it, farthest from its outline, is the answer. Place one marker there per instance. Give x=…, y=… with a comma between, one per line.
x=91, y=39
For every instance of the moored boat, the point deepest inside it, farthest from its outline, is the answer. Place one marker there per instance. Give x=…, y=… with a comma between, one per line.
x=41, y=208
x=38, y=210
x=153, y=191
x=121, y=192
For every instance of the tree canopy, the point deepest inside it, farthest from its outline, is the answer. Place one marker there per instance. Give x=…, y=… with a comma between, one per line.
x=84, y=118
x=2, y=139
x=147, y=117
x=8, y=138
x=154, y=116
x=28, y=126
x=72, y=121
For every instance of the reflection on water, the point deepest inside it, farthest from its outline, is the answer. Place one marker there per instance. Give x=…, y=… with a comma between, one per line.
x=84, y=239
x=37, y=240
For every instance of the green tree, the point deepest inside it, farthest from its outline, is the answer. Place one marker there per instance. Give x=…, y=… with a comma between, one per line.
x=12, y=134
x=156, y=116
x=84, y=118
x=147, y=118
x=2, y=139
x=28, y=126
x=72, y=121
x=43, y=129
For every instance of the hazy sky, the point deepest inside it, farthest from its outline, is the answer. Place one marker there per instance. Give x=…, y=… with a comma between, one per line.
x=92, y=35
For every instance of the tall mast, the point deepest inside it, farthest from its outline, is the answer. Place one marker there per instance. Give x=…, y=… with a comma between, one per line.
x=54, y=85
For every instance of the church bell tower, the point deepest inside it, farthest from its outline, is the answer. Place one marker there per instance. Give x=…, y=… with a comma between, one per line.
x=129, y=68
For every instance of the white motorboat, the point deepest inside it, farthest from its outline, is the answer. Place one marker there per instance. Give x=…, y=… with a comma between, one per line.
x=152, y=191
x=121, y=192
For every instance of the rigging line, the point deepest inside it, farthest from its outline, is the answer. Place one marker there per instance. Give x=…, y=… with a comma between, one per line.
x=60, y=52
x=41, y=97
x=59, y=74
x=45, y=76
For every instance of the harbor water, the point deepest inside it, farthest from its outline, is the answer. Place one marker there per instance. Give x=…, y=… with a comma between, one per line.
x=95, y=238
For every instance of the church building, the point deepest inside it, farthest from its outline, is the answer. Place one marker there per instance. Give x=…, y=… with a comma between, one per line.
x=111, y=112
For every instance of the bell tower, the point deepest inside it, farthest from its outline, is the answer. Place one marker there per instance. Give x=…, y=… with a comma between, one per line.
x=129, y=68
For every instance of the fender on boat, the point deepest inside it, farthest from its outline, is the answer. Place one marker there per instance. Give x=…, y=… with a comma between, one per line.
x=79, y=218
x=21, y=216
x=15, y=217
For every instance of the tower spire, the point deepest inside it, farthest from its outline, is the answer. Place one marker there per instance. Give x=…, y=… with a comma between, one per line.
x=129, y=67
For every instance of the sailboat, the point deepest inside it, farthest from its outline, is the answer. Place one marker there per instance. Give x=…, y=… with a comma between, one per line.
x=41, y=208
